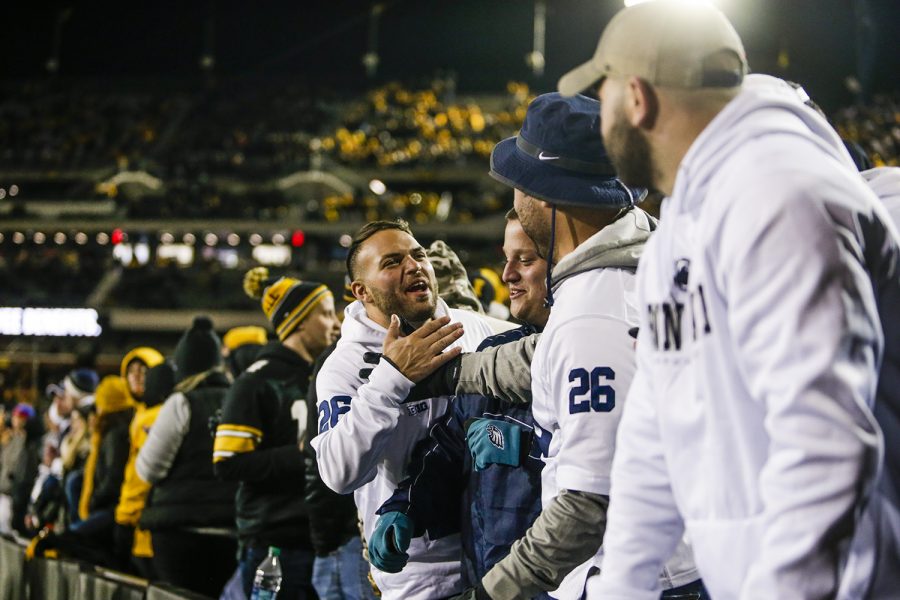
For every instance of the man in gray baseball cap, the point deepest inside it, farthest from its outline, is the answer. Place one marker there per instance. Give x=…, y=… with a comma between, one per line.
x=762, y=420
x=665, y=45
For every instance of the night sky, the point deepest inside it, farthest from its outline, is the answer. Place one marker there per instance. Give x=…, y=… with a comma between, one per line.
x=483, y=41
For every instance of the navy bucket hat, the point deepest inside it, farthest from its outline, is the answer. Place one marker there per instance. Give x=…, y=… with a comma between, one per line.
x=559, y=156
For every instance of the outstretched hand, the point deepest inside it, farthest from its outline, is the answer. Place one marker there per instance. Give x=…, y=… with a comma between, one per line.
x=420, y=353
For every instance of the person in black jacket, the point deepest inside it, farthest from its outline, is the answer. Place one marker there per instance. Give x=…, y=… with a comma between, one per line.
x=263, y=428
x=340, y=571
x=189, y=512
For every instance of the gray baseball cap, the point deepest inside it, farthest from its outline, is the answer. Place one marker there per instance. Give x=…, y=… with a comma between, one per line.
x=669, y=44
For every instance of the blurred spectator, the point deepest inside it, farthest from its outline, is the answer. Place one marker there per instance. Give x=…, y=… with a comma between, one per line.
x=105, y=466
x=75, y=390
x=494, y=296
x=74, y=451
x=241, y=345
x=18, y=467
x=267, y=402
x=189, y=513
x=134, y=369
x=46, y=501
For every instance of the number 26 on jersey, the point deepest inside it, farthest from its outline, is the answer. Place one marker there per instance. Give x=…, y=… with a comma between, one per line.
x=331, y=410
x=591, y=391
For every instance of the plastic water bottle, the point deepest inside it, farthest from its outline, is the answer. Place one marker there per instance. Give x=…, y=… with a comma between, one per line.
x=268, y=577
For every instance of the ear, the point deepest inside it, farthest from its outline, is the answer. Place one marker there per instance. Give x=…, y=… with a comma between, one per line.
x=641, y=102
x=358, y=288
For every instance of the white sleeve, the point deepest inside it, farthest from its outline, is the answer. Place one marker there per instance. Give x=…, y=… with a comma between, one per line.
x=803, y=319
x=644, y=525
x=164, y=440
x=589, y=376
x=356, y=422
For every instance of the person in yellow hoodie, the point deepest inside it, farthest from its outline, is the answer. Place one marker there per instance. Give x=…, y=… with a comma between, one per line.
x=147, y=391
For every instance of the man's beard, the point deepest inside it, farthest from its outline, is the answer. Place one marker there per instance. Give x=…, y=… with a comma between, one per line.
x=414, y=312
x=629, y=152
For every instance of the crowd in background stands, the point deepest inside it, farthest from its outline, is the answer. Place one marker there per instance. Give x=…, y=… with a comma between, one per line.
x=396, y=126
x=219, y=153
x=45, y=127
x=50, y=275
x=249, y=131
x=201, y=143
x=875, y=127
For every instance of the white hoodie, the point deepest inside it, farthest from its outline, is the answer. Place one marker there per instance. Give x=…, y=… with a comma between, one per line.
x=748, y=422
x=365, y=440
x=885, y=182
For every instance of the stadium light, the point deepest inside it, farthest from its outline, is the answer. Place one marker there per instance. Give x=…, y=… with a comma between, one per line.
x=82, y=322
x=377, y=186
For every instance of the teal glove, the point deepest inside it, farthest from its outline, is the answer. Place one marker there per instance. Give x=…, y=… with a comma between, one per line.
x=387, y=548
x=493, y=441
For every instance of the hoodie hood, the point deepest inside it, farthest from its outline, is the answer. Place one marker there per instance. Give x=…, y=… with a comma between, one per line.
x=278, y=352
x=147, y=355
x=358, y=328
x=762, y=108
x=112, y=396
x=618, y=245
x=240, y=359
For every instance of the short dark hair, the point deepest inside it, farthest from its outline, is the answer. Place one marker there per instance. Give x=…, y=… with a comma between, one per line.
x=512, y=215
x=367, y=231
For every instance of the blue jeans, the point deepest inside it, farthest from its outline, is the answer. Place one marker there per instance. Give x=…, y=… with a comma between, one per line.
x=343, y=574
x=296, y=571
x=100, y=522
x=72, y=487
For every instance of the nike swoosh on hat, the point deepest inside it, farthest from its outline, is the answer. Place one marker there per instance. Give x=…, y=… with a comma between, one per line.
x=541, y=156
